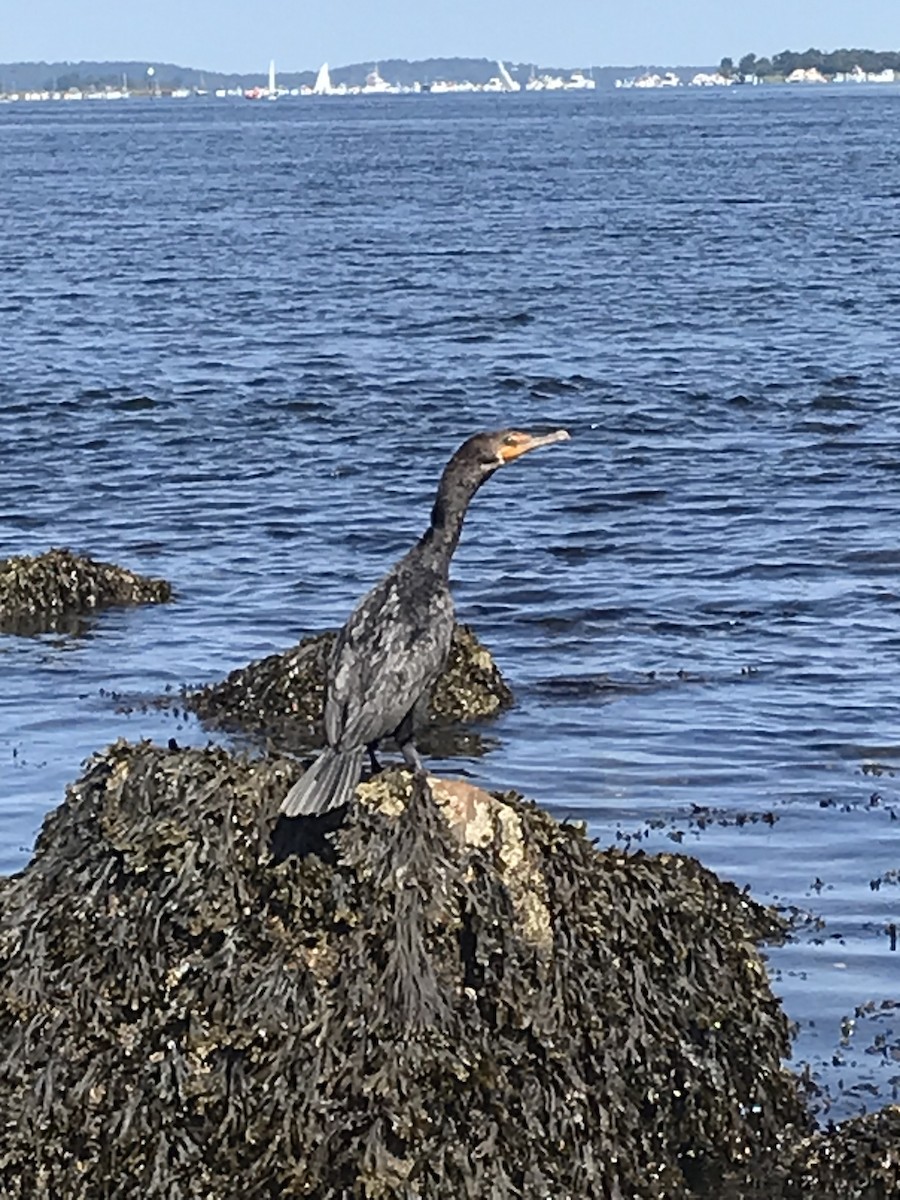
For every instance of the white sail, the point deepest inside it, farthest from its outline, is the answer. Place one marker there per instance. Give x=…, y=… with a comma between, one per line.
x=322, y=85
x=272, y=89
x=509, y=84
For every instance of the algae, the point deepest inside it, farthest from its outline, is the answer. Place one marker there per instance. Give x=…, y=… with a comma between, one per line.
x=858, y=1160
x=51, y=591
x=468, y=1000
x=280, y=697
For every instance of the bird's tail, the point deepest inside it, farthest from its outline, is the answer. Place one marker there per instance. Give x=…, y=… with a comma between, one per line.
x=328, y=783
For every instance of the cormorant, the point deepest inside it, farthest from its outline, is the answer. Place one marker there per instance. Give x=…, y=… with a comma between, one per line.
x=395, y=643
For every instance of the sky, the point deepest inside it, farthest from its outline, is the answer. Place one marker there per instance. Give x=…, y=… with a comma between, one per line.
x=242, y=35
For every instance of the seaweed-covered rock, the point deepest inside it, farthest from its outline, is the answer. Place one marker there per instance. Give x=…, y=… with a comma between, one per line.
x=281, y=696
x=469, y=1000
x=51, y=591
x=858, y=1160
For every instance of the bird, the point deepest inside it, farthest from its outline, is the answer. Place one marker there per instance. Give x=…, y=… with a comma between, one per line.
x=395, y=643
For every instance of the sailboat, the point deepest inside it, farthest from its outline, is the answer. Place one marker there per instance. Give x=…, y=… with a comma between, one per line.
x=264, y=93
x=507, y=83
x=322, y=86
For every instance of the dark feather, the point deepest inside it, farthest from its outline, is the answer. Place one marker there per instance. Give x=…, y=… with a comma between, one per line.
x=395, y=643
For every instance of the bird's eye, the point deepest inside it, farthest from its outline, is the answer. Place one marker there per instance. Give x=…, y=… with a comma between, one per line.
x=511, y=439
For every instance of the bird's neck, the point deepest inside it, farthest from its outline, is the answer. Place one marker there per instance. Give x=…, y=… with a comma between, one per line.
x=450, y=506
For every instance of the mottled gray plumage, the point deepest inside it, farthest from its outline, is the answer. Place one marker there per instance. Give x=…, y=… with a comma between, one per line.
x=395, y=643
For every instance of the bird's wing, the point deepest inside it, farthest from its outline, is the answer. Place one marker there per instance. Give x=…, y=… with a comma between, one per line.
x=383, y=660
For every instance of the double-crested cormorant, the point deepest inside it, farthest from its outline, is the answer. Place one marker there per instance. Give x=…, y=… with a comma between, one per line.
x=395, y=642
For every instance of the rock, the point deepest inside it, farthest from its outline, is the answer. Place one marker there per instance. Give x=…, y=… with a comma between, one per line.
x=51, y=591
x=280, y=697
x=858, y=1160
x=478, y=819
x=468, y=999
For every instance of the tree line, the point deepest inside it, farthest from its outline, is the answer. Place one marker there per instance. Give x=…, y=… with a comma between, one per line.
x=831, y=62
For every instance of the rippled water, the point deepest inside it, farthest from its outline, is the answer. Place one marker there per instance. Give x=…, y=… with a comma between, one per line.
x=238, y=342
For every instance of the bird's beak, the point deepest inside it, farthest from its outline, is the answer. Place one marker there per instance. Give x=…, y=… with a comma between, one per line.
x=530, y=441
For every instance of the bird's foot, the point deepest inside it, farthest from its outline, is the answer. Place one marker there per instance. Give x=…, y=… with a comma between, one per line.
x=411, y=758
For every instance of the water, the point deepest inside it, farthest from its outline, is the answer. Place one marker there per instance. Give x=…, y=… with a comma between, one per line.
x=239, y=341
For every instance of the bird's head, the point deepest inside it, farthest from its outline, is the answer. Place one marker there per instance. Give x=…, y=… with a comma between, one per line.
x=474, y=462
x=493, y=450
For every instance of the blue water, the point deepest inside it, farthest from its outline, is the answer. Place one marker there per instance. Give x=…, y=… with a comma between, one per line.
x=239, y=341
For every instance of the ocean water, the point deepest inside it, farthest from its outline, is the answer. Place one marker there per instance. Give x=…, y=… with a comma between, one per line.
x=239, y=342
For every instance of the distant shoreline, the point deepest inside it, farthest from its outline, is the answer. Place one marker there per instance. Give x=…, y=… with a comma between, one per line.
x=120, y=79
x=400, y=74
x=669, y=80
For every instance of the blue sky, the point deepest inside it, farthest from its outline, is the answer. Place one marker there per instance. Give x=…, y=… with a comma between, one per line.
x=242, y=35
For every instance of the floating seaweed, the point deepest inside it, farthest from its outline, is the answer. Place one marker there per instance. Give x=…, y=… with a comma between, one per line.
x=281, y=696
x=51, y=591
x=463, y=997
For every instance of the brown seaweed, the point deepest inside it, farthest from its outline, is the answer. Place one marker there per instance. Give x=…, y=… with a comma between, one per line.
x=857, y=1160
x=470, y=1000
x=51, y=591
x=280, y=697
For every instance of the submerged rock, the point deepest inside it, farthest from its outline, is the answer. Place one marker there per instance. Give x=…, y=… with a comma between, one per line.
x=51, y=591
x=468, y=999
x=281, y=696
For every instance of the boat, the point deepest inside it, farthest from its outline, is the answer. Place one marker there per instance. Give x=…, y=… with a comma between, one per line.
x=375, y=85
x=322, y=86
x=579, y=82
x=264, y=93
x=508, y=84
